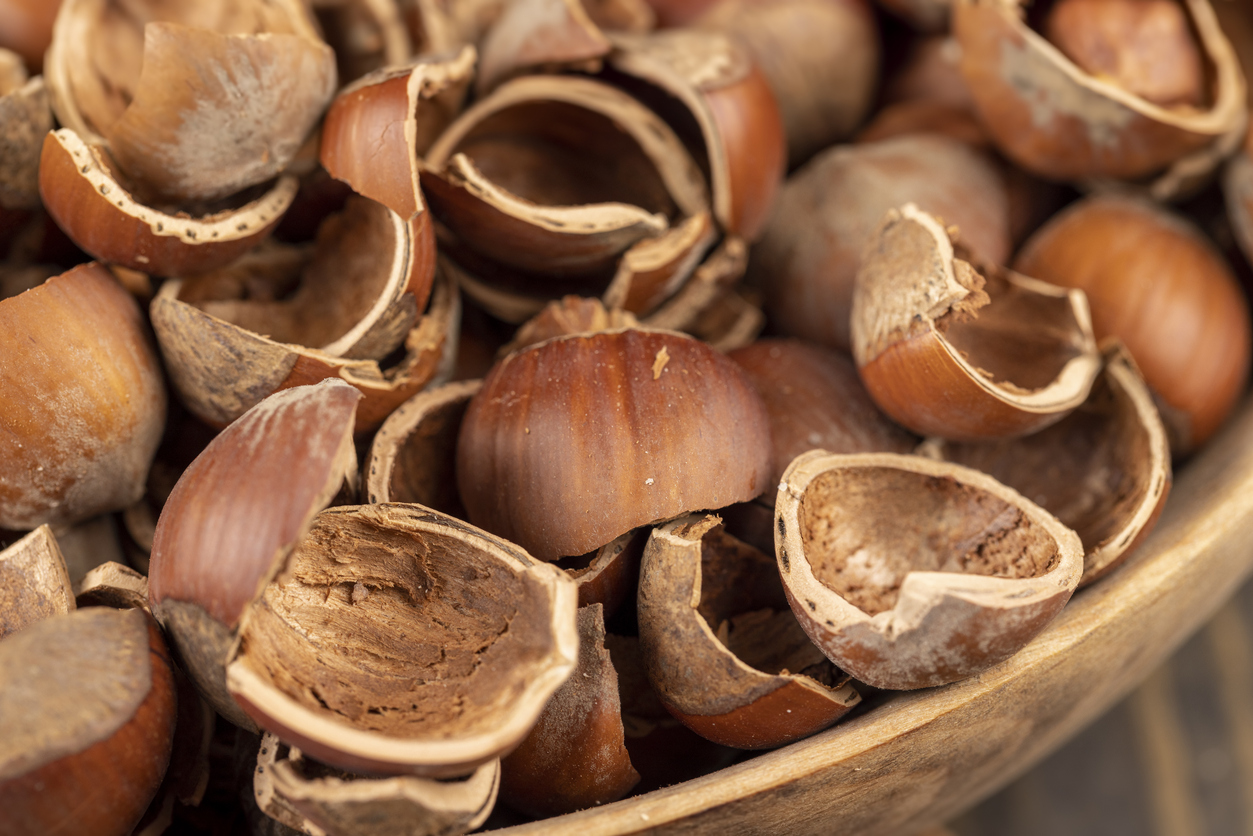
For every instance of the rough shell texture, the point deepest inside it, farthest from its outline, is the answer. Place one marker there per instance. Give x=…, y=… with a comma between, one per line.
x=24, y=119
x=910, y=573
x=303, y=793
x=84, y=402
x=34, y=584
x=398, y=640
x=575, y=441
x=1156, y=283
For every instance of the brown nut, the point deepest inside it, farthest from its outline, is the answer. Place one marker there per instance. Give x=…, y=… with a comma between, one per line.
x=292, y=632
x=910, y=573
x=26, y=28
x=575, y=441
x=821, y=58
x=723, y=651
x=84, y=400
x=951, y=352
x=806, y=263
x=88, y=694
x=575, y=756
x=1058, y=121
x=1156, y=283
x=25, y=117
x=1103, y=470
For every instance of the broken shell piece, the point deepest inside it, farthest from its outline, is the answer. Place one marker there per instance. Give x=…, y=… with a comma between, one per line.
x=909, y=572
x=319, y=800
x=577, y=440
x=806, y=262
x=84, y=400
x=358, y=292
x=947, y=351
x=559, y=175
x=25, y=117
x=87, y=715
x=377, y=128
x=112, y=585
x=103, y=217
x=34, y=584
x=1056, y=120
x=609, y=575
x=1103, y=470
x=413, y=457
x=213, y=114
x=239, y=507
x=739, y=131
x=575, y=756
x=569, y=315
x=395, y=639
x=220, y=369
x=724, y=653
x=257, y=75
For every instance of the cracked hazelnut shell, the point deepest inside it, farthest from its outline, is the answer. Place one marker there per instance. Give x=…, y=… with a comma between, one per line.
x=910, y=573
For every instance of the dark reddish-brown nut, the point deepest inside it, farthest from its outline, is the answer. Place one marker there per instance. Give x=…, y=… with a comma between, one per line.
x=193, y=104
x=81, y=193
x=816, y=400
x=1156, y=283
x=727, y=96
x=948, y=351
x=910, y=573
x=25, y=117
x=84, y=401
x=575, y=441
x=34, y=583
x=931, y=72
x=821, y=58
x=221, y=369
x=1054, y=119
x=378, y=127
x=1103, y=470
x=304, y=794
x=575, y=756
x=312, y=623
x=723, y=650
x=87, y=716
x=806, y=263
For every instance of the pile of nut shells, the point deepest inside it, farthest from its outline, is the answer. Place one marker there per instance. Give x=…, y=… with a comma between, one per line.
x=423, y=415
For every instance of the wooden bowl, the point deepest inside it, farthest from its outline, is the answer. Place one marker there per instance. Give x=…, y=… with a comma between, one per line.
x=922, y=757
